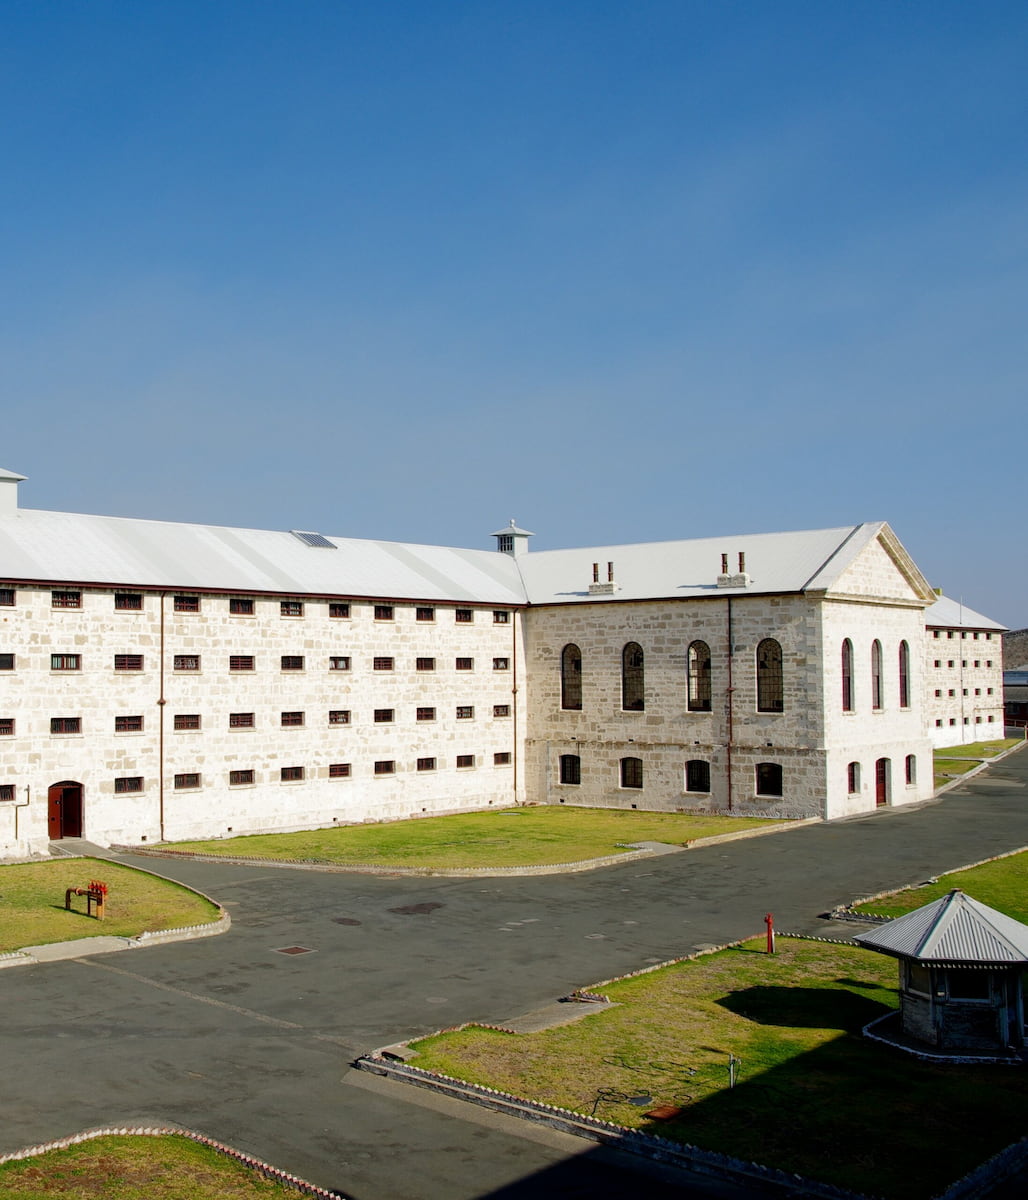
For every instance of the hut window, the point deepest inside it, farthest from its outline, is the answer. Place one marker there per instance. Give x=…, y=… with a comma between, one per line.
x=919, y=979
x=968, y=985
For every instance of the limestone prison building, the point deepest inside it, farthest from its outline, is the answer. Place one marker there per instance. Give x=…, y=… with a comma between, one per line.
x=162, y=681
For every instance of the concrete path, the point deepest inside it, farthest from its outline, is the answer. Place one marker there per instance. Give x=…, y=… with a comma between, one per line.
x=250, y=1045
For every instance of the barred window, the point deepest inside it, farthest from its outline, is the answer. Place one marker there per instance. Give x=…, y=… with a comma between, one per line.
x=382, y=663
x=501, y=616
x=337, y=608
x=698, y=682
x=128, y=662
x=292, y=719
x=465, y=712
x=241, y=606
x=287, y=774
x=65, y=662
x=189, y=779
x=6, y=726
x=770, y=683
x=187, y=721
x=339, y=716
x=65, y=724
x=631, y=773
x=241, y=662
x=240, y=720
x=501, y=710
x=633, y=685
x=187, y=662
x=66, y=599
x=426, y=764
x=464, y=616
x=570, y=768
x=571, y=678
x=501, y=664
x=339, y=662
x=426, y=714
x=128, y=601
x=292, y=662
x=128, y=783
x=697, y=775
x=465, y=664
x=187, y=603
x=425, y=664
x=769, y=779
x=383, y=716
x=6, y=597
x=424, y=614
x=385, y=767
x=339, y=770
x=465, y=760
x=501, y=758
x=6, y=662
x=241, y=777
x=383, y=612
x=290, y=608
x=131, y=724
x=6, y=791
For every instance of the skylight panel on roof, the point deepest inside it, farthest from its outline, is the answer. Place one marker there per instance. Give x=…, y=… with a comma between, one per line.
x=313, y=539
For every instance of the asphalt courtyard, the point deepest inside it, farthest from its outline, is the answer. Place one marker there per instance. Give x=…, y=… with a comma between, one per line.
x=228, y=1036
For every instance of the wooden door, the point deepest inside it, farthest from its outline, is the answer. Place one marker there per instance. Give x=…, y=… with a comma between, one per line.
x=64, y=810
x=881, y=782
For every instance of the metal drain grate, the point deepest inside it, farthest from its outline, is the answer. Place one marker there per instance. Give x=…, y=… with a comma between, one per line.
x=294, y=950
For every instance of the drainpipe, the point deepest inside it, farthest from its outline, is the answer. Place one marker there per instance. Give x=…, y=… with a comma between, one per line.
x=729, y=714
x=161, y=703
x=514, y=695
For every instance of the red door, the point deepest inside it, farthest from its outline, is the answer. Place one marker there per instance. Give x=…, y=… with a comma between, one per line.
x=64, y=810
x=881, y=782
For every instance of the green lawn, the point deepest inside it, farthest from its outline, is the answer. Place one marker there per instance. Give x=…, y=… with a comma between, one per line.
x=812, y=1095
x=978, y=749
x=32, y=911
x=513, y=837
x=136, y=1168
x=1002, y=884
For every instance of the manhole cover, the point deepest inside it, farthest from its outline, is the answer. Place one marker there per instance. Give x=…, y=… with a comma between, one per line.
x=413, y=910
x=345, y=921
x=294, y=950
x=596, y=936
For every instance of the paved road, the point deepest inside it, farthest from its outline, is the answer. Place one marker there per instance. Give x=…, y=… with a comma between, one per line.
x=252, y=1047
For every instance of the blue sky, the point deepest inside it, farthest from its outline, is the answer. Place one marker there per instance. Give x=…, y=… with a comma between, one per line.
x=624, y=271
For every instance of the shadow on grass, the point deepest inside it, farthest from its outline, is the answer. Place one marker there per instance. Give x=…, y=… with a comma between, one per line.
x=804, y=1008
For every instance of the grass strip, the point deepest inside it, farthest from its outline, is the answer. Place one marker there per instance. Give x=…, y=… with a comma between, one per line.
x=1001, y=884
x=136, y=1168
x=812, y=1096
x=32, y=911
x=512, y=837
x=978, y=749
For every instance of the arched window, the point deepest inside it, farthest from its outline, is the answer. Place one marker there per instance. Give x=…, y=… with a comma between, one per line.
x=633, y=683
x=911, y=768
x=853, y=778
x=904, y=675
x=631, y=772
x=570, y=768
x=769, y=676
x=847, y=675
x=699, y=680
x=876, y=674
x=769, y=779
x=571, y=677
x=697, y=775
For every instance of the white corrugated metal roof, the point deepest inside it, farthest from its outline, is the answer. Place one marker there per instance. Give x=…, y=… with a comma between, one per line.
x=951, y=614
x=954, y=929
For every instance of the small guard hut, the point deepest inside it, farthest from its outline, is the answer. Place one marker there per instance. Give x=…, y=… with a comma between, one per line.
x=960, y=976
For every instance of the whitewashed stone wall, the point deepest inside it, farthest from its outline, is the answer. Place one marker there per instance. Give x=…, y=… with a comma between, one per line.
x=33, y=758
x=963, y=685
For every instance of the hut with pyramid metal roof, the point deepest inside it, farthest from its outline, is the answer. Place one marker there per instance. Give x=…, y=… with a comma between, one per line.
x=960, y=967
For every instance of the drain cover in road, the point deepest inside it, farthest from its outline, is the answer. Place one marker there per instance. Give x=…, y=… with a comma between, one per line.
x=412, y=910
x=294, y=950
x=345, y=921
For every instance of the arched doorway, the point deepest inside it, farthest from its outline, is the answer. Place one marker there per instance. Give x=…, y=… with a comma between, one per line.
x=882, y=782
x=64, y=809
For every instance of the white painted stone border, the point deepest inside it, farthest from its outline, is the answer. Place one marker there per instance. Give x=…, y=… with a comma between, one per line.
x=247, y=1160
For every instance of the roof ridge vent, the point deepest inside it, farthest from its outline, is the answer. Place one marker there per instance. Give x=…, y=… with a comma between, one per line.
x=316, y=541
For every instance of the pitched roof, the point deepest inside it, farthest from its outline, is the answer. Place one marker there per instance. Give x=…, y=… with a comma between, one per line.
x=952, y=614
x=954, y=930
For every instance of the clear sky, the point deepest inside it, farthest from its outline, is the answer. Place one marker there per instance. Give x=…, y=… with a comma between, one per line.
x=625, y=271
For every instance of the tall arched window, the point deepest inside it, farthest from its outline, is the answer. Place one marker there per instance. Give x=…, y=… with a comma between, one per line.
x=911, y=768
x=853, y=778
x=631, y=772
x=769, y=676
x=769, y=779
x=697, y=775
x=876, y=674
x=571, y=677
x=699, y=680
x=633, y=683
x=904, y=675
x=847, y=675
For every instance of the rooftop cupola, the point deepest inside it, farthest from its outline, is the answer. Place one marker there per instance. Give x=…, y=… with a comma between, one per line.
x=512, y=541
x=9, y=492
